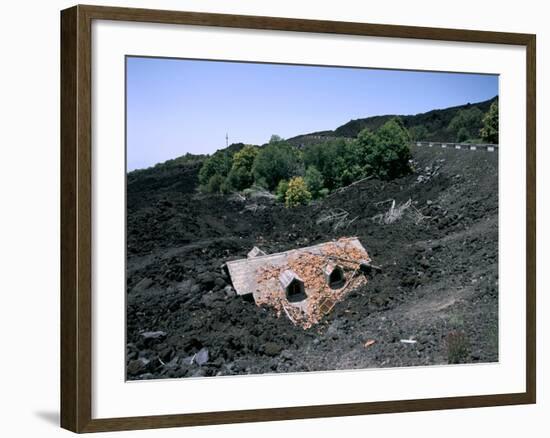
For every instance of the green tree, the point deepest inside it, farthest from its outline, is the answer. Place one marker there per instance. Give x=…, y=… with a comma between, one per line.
x=489, y=131
x=351, y=173
x=280, y=191
x=385, y=153
x=334, y=159
x=239, y=179
x=314, y=181
x=240, y=176
x=244, y=159
x=276, y=161
x=275, y=139
x=217, y=164
x=418, y=133
x=226, y=187
x=462, y=135
x=325, y=158
x=215, y=183
x=297, y=193
x=466, y=124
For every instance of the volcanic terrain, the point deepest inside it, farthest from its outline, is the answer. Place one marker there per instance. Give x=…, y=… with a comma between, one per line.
x=435, y=301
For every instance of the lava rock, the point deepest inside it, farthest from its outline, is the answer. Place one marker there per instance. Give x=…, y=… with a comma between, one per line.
x=272, y=349
x=174, y=305
x=286, y=355
x=166, y=354
x=172, y=364
x=158, y=335
x=202, y=357
x=137, y=366
x=229, y=291
x=191, y=343
x=142, y=285
x=210, y=299
x=185, y=286
x=207, y=279
x=150, y=338
x=201, y=372
x=219, y=282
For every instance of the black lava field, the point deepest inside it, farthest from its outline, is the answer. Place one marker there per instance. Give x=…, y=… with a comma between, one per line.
x=437, y=291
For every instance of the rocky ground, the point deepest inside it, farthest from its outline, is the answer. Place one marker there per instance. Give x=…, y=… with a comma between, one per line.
x=438, y=290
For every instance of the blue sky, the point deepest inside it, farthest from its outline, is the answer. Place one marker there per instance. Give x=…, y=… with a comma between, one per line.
x=176, y=106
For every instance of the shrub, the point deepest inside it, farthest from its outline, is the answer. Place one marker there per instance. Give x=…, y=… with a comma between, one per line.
x=260, y=182
x=297, y=193
x=489, y=131
x=323, y=193
x=353, y=173
x=385, y=153
x=281, y=189
x=214, y=183
x=458, y=348
x=226, y=187
x=314, y=181
x=275, y=162
x=463, y=135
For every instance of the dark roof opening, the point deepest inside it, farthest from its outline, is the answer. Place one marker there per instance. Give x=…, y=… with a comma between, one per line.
x=334, y=276
x=336, y=279
x=293, y=286
x=295, y=291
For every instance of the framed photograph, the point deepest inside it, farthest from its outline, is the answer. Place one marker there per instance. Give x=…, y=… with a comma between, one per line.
x=269, y=218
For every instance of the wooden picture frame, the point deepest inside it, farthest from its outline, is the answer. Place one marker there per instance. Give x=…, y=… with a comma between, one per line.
x=76, y=217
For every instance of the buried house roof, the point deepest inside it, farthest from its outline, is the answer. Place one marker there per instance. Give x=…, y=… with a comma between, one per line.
x=255, y=252
x=287, y=277
x=243, y=272
x=263, y=277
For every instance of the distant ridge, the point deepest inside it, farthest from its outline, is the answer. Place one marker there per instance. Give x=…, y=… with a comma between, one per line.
x=435, y=122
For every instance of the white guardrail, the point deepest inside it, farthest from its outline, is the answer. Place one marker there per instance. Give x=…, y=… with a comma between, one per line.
x=470, y=146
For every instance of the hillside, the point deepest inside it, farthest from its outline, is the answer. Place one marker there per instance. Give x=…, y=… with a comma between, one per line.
x=435, y=124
